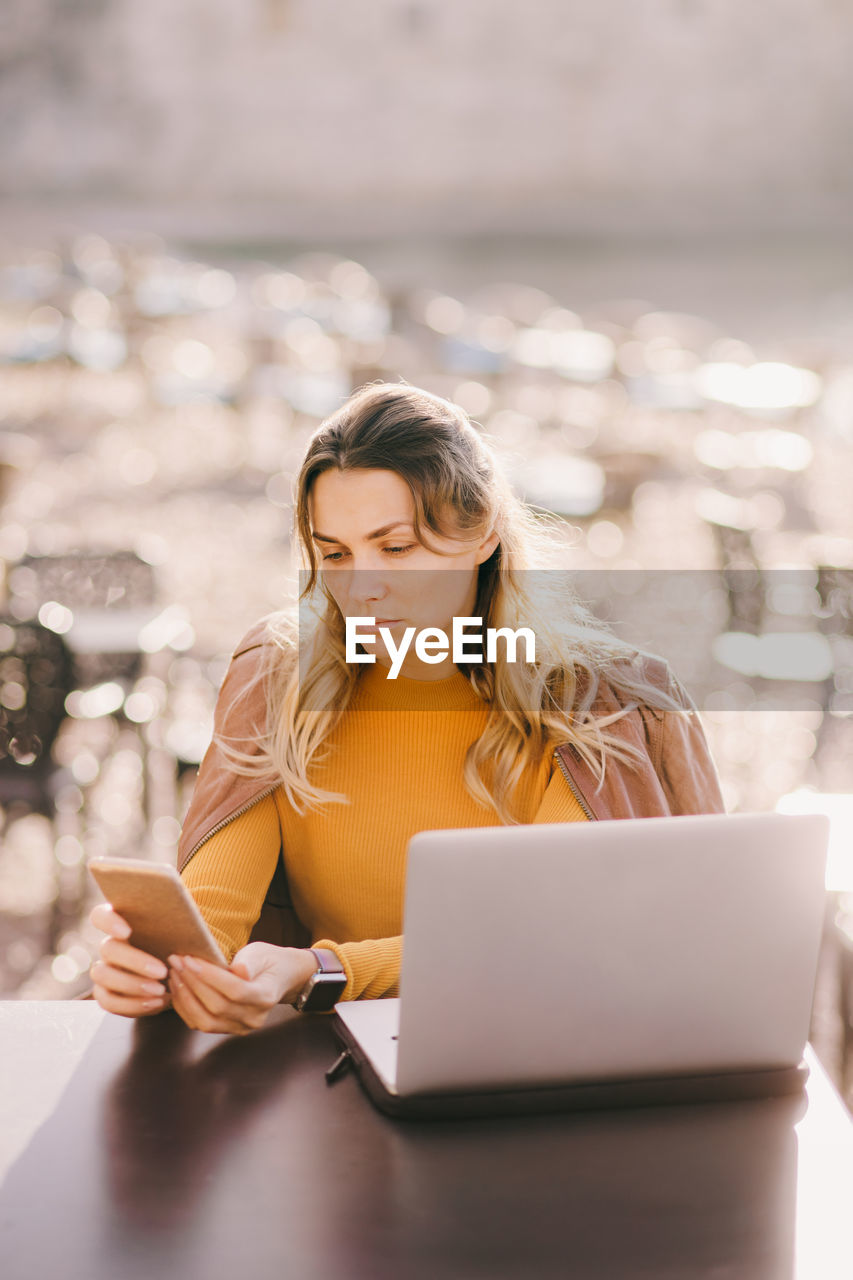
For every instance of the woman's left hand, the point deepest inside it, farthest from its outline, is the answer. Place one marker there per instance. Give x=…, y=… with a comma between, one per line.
x=238, y=1000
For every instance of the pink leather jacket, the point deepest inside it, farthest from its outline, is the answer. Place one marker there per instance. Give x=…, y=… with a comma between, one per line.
x=675, y=775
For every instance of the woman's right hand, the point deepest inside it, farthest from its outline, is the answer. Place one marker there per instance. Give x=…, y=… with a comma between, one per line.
x=127, y=981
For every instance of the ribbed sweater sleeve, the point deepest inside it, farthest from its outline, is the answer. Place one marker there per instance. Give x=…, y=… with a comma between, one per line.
x=229, y=875
x=372, y=967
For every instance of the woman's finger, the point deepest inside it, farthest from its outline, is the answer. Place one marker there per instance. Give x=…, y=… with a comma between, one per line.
x=128, y=1006
x=230, y=985
x=213, y=1002
x=187, y=1005
x=244, y=1012
x=105, y=917
x=122, y=955
x=120, y=982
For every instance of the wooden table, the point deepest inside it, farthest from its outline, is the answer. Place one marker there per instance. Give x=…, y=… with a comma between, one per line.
x=142, y=1150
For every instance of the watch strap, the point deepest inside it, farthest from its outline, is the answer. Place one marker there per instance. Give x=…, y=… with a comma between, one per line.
x=325, y=986
x=327, y=961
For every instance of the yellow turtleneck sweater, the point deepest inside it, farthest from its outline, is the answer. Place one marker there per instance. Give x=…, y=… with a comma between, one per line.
x=398, y=755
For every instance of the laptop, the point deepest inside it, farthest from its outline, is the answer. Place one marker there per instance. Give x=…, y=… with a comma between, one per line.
x=598, y=964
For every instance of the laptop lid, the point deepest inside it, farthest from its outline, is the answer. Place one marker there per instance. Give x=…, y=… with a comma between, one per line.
x=546, y=954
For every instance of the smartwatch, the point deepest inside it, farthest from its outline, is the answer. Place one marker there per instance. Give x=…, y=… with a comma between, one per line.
x=325, y=987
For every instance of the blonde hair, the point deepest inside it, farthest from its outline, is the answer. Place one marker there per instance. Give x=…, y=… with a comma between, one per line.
x=457, y=489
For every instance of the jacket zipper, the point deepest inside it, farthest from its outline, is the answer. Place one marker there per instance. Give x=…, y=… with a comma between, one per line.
x=224, y=823
x=575, y=792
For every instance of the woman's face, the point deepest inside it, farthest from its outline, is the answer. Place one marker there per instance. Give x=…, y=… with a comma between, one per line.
x=373, y=566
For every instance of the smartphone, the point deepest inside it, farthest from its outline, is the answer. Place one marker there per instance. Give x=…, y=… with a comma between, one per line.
x=162, y=914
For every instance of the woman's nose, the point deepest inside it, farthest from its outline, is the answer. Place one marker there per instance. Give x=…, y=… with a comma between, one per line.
x=368, y=585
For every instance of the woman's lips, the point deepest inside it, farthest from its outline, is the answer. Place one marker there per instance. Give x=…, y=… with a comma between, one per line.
x=378, y=622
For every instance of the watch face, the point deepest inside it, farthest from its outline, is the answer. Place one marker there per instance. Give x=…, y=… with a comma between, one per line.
x=322, y=992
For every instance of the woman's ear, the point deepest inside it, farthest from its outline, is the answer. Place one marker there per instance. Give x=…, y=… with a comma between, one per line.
x=487, y=546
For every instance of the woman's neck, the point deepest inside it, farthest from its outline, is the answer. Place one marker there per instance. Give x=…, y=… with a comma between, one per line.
x=377, y=690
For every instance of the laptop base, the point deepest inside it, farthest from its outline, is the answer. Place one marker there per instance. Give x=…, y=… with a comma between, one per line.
x=724, y=1086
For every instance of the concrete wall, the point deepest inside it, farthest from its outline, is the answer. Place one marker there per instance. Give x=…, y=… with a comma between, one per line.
x=379, y=116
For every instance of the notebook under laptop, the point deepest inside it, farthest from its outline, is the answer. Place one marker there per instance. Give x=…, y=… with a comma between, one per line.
x=601, y=963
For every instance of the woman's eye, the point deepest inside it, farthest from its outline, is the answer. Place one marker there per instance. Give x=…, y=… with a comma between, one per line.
x=335, y=556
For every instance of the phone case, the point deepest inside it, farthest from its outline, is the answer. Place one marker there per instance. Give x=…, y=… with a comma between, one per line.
x=160, y=910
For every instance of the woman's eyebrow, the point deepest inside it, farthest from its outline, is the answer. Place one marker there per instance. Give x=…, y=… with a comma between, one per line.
x=377, y=533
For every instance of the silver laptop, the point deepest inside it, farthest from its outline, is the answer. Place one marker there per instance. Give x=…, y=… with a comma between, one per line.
x=541, y=963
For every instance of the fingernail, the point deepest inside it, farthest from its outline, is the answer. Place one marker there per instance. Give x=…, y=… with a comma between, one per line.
x=152, y=1004
x=176, y=963
x=153, y=988
x=156, y=969
x=192, y=964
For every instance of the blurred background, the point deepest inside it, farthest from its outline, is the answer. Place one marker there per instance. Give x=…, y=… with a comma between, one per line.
x=618, y=236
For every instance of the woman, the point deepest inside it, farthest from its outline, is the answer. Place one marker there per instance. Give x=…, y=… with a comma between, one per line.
x=324, y=762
